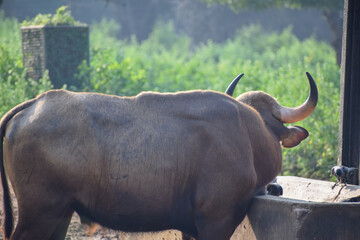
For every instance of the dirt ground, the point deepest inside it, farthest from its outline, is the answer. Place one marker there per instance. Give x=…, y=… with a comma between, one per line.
x=77, y=231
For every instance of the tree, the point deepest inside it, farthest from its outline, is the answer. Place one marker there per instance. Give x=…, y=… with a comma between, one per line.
x=331, y=10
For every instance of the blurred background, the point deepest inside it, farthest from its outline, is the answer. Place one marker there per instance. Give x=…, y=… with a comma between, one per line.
x=174, y=45
x=198, y=19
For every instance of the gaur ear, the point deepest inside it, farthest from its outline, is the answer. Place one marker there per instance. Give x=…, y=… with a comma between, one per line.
x=295, y=136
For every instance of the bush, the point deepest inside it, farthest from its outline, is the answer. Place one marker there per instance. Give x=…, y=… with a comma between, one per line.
x=10, y=35
x=15, y=87
x=61, y=18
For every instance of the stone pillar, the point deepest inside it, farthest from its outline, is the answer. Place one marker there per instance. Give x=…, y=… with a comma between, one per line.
x=59, y=49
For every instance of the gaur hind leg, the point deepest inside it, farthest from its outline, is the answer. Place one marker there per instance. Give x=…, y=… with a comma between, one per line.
x=43, y=227
x=44, y=220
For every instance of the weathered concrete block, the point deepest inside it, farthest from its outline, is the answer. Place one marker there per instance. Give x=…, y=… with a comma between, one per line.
x=59, y=49
x=317, y=190
x=280, y=218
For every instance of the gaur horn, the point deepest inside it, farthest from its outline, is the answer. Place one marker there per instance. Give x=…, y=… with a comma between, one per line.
x=230, y=90
x=292, y=115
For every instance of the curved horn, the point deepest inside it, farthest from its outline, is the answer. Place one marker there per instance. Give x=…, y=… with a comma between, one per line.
x=292, y=115
x=230, y=89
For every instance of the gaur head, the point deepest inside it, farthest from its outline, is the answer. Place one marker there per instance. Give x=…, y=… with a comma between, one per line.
x=274, y=115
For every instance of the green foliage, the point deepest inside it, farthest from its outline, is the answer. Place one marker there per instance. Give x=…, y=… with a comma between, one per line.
x=15, y=87
x=167, y=61
x=10, y=34
x=61, y=18
x=104, y=34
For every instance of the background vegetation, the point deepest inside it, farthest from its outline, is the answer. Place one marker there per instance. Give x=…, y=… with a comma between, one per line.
x=14, y=86
x=62, y=17
x=168, y=61
x=331, y=11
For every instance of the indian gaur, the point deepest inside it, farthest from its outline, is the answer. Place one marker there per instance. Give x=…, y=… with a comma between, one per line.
x=189, y=160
